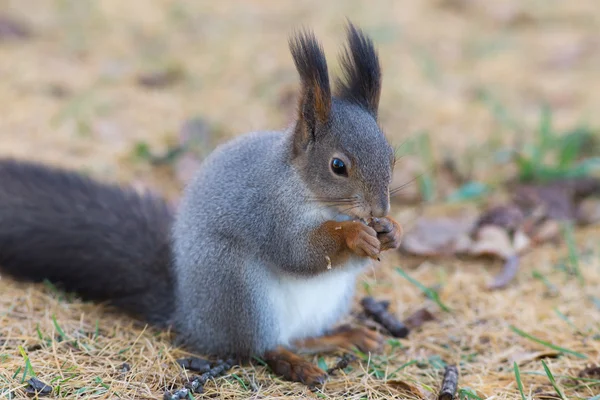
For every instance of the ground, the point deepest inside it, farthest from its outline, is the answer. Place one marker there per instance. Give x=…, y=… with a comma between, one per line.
x=470, y=74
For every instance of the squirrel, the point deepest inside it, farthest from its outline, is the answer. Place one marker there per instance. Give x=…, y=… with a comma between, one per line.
x=261, y=256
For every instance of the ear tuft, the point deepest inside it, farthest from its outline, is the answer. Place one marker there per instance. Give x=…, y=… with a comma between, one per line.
x=311, y=64
x=361, y=83
x=315, y=99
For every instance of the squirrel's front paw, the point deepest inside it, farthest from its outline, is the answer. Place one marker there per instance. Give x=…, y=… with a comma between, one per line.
x=362, y=239
x=388, y=231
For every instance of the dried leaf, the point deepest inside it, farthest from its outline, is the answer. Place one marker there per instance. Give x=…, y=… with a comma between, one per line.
x=404, y=388
x=546, y=231
x=509, y=217
x=492, y=240
x=555, y=200
x=522, y=358
x=435, y=237
x=418, y=318
x=521, y=242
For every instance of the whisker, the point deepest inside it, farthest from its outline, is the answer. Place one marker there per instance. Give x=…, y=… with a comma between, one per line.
x=346, y=210
x=333, y=201
x=340, y=200
x=399, y=188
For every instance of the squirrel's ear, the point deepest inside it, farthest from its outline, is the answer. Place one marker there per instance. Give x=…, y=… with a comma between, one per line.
x=315, y=97
x=361, y=83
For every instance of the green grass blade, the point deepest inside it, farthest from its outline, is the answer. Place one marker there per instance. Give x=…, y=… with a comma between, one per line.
x=544, y=343
x=553, y=381
x=400, y=368
x=61, y=333
x=467, y=393
x=432, y=294
x=28, y=368
x=566, y=319
x=469, y=191
x=545, y=134
x=573, y=253
x=519, y=382
x=549, y=285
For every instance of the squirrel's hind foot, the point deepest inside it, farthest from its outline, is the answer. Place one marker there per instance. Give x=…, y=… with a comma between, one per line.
x=344, y=338
x=292, y=367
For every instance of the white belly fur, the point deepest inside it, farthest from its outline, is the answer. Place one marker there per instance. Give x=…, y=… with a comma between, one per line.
x=306, y=307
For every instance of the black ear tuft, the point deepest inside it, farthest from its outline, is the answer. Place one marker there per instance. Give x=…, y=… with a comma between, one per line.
x=315, y=99
x=362, y=73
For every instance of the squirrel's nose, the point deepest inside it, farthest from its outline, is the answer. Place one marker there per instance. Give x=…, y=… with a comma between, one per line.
x=380, y=208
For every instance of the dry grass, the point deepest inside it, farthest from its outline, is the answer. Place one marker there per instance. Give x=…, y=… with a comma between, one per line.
x=436, y=55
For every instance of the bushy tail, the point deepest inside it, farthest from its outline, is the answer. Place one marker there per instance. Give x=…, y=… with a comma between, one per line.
x=103, y=242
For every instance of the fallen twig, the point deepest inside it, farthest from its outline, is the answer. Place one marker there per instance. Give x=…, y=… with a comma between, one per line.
x=195, y=364
x=378, y=311
x=196, y=385
x=38, y=388
x=449, y=384
x=342, y=363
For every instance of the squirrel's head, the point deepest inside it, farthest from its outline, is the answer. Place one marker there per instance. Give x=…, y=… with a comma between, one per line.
x=339, y=149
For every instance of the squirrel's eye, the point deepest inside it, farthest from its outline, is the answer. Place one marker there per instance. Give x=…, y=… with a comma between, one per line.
x=338, y=167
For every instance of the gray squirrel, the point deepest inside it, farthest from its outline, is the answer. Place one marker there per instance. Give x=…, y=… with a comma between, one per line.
x=262, y=255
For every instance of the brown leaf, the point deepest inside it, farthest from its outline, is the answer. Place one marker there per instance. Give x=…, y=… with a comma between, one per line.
x=492, y=240
x=509, y=217
x=546, y=231
x=436, y=237
x=521, y=242
x=524, y=357
x=404, y=388
x=555, y=200
x=418, y=318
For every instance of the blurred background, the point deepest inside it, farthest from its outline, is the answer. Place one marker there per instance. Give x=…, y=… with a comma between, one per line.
x=106, y=87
